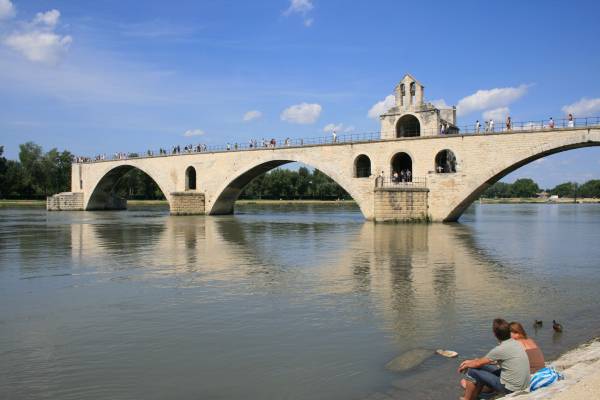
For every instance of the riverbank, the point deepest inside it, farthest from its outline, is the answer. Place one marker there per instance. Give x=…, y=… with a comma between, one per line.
x=535, y=200
x=581, y=370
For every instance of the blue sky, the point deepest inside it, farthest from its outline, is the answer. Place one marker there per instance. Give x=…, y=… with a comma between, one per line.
x=106, y=76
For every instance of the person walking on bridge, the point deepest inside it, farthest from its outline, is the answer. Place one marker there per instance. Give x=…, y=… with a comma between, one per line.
x=508, y=123
x=551, y=123
x=570, y=122
x=333, y=137
x=477, y=126
x=491, y=125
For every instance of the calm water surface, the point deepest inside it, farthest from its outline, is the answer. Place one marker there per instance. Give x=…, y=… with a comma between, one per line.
x=279, y=302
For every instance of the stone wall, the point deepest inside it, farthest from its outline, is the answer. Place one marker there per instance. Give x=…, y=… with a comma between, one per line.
x=401, y=205
x=187, y=203
x=66, y=201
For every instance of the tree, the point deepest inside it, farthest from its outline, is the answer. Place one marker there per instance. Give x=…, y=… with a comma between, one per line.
x=590, y=189
x=567, y=189
x=524, y=188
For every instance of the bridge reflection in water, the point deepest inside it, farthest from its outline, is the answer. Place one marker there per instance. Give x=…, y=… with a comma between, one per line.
x=395, y=287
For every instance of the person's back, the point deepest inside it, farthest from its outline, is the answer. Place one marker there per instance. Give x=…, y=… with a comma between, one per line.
x=514, y=364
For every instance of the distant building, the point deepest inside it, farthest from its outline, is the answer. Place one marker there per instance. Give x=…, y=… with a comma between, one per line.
x=412, y=116
x=543, y=195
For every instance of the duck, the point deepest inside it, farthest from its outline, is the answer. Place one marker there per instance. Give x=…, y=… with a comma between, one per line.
x=556, y=326
x=538, y=323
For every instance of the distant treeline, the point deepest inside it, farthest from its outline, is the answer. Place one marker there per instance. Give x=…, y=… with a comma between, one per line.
x=37, y=174
x=291, y=185
x=528, y=188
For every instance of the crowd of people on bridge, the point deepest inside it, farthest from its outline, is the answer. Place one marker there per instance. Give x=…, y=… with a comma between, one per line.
x=508, y=125
x=445, y=128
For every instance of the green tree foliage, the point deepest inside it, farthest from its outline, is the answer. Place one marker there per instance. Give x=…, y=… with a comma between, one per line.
x=520, y=188
x=590, y=189
x=524, y=188
x=567, y=189
x=289, y=185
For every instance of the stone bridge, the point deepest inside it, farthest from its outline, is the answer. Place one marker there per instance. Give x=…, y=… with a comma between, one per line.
x=443, y=173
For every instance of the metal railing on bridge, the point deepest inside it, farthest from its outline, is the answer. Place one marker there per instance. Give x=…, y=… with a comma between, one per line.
x=497, y=127
x=385, y=182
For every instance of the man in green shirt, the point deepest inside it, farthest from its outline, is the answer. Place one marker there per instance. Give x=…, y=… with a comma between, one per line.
x=505, y=369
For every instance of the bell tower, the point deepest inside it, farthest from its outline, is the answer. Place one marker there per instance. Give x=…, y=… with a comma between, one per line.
x=413, y=116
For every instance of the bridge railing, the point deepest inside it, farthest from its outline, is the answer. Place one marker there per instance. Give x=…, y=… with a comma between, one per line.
x=399, y=183
x=344, y=138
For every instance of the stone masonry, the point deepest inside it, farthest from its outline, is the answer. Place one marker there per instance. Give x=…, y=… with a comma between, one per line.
x=67, y=201
x=401, y=205
x=187, y=203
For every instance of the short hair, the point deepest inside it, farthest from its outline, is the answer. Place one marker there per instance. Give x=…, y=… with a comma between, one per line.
x=516, y=327
x=501, y=329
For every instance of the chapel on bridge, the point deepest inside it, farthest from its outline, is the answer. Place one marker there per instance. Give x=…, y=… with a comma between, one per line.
x=412, y=116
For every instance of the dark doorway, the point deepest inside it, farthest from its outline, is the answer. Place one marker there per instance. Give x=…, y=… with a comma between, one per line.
x=362, y=167
x=445, y=162
x=190, y=178
x=401, y=168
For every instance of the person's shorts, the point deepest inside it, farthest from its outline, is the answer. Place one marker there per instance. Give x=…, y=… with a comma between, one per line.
x=488, y=375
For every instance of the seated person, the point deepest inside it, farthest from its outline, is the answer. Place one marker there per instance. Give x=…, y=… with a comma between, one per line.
x=536, y=357
x=511, y=372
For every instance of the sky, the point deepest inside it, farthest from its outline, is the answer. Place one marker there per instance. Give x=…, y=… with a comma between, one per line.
x=122, y=75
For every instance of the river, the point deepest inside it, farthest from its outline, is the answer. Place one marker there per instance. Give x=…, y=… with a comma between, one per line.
x=280, y=302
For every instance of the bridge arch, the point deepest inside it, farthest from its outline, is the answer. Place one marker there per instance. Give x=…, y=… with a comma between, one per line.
x=489, y=176
x=408, y=126
x=223, y=199
x=102, y=195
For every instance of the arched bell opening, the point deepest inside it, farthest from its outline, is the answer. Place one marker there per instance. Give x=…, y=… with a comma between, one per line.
x=408, y=126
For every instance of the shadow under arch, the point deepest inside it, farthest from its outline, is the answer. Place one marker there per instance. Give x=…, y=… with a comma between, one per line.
x=225, y=200
x=459, y=209
x=104, y=197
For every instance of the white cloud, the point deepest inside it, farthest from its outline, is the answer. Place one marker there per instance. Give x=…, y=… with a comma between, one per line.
x=38, y=42
x=7, y=9
x=338, y=128
x=193, y=132
x=302, y=7
x=490, y=99
x=49, y=18
x=382, y=106
x=440, y=103
x=44, y=47
x=497, y=114
x=299, y=6
x=583, y=108
x=302, y=113
x=250, y=115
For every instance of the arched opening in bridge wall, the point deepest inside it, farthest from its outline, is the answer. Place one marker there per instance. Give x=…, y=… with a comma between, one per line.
x=401, y=168
x=190, y=178
x=362, y=166
x=122, y=183
x=300, y=184
x=408, y=126
x=445, y=162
